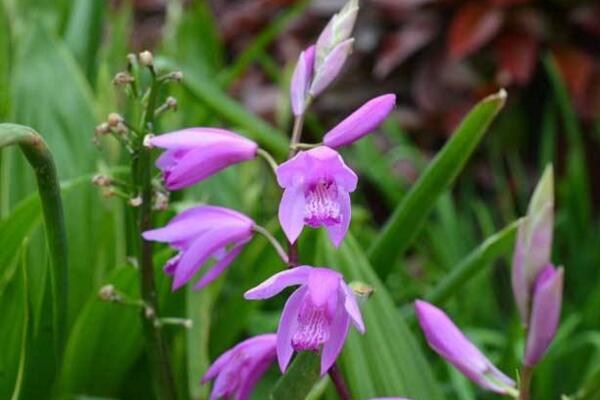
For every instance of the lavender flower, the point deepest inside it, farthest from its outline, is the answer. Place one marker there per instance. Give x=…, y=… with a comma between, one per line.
x=238, y=369
x=200, y=233
x=301, y=81
x=331, y=67
x=316, y=315
x=317, y=184
x=534, y=242
x=450, y=343
x=545, y=313
x=195, y=154
x=361, y=122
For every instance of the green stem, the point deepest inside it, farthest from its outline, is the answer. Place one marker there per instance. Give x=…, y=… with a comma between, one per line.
x=525, y=382
x=156, y=345
x=39, y=157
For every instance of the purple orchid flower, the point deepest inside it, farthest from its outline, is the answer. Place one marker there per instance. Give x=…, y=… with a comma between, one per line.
x=195, y=154
x=545, y=313
x=449, y=342
x=317, y=314
x=238, y=369
x=200, y=233
x=301, y=80
x=361, y=122
x=317, y=187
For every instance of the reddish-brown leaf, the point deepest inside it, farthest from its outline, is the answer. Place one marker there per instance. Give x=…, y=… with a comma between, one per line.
x=473, y=25
x=400, y=45
x=517, y=55
x=576, y=68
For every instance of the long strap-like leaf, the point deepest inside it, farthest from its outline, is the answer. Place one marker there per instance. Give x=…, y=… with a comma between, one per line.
x=403, y=225
x=38, y=155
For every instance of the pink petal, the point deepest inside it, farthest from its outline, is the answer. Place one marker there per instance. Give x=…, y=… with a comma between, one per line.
x=322, y=285
x=197, y=137
x=287, y=327
x=289, y=172
x=545, y=313
x=291, y=212
x=201, y=249
x=351, y=306
x=278, y=282
x=339, y=331
x=331, y=67
x=217, y=365
x=361, y=122
x=219, y=267
x=337, y=232
x=301, y=80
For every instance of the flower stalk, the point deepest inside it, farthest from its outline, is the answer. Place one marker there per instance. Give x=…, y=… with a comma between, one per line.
x=525, y=382
x=141, y=172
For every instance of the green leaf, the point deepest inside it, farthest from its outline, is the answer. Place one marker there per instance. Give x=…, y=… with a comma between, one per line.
x=409, y=215
x=386, y=360
x=105, y=342
x=15, y=327
x=84, y=33
x=492, y=248
x=299, y=379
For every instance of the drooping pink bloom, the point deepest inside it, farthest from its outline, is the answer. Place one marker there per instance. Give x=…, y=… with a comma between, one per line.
x=317, y=315
x=301, y=80
x=200, y=233
x=237, y=371
x=194, y=154
x=545, y=313
x=361, y=122
x=449, y=342
x=534, y=243
x=317, y=187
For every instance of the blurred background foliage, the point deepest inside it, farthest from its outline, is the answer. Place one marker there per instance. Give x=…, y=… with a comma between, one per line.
x=57, y=61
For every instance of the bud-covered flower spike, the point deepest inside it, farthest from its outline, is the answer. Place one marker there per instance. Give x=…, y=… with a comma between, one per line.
x=333, y=47
x=195, y=154
x=200, y=233
x=301, y=80
x=361, y=122
x=317, y=191
x=534, y=242
x=545, y=313
x=317, y=315
x=449, y=342
x=237, y=370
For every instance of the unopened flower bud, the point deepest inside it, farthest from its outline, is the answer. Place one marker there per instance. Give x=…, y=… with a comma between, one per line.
x=545, y=313
x=122, y=78
x=121, y=128
x=101, y=180
x=162, y=201
x=361, y=290
x=146, y=58
x=188, y=324
x=114, y=119
x=301, y=80
x=102, y=129
x=131, y=59
x=107, y=293
x=331, y=67
x=147, y=142
x=337, y=30
x=176, y=76
x=171, y=102
x=135, y=201
x=149, y=312
x=534, y=243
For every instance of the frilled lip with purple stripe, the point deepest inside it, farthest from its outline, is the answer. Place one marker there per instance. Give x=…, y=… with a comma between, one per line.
x=317, y=191
x=200, y=233
x=316, y=316
x=194, y=154
x=237, y=370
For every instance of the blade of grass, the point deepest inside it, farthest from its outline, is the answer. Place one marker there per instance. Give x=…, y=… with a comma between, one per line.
x=40, y=158
x=301, y=376
x=401, y=228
